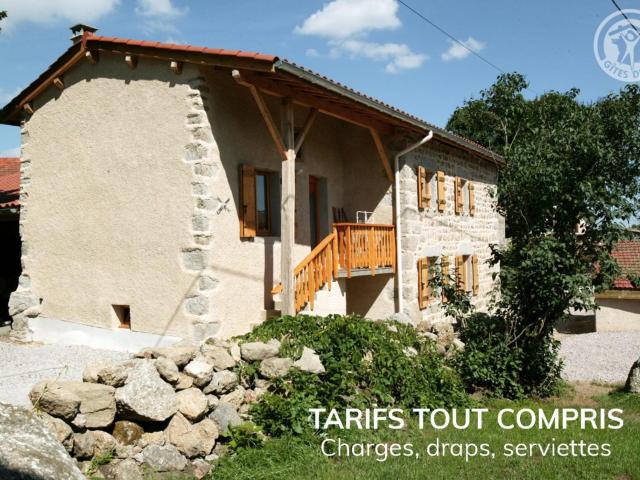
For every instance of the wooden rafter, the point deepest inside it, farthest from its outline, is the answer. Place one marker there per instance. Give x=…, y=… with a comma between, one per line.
x=382, y=153
x=176, y=67
x=308, y=123
x=58, y=83
x=131, y=60
x=264, y=111
x=92, y=56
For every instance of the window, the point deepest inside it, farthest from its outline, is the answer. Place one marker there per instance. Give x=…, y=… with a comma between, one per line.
x=259, y=200
x=123, y=315
x=465, y=197
x=467, y=273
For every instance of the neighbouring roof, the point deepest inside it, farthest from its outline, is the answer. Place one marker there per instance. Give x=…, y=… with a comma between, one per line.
x=627, y=255
x=9, y=182
x=269, y=69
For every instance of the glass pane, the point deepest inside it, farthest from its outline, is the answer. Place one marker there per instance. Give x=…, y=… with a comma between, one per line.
x=262, y=202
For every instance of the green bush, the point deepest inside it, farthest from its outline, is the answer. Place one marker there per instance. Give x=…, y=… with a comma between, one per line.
x=496, y=363
x=367, y=364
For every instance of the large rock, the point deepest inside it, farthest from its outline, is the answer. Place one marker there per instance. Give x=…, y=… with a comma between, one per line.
x=222, y=382
x=53, y=398
x=96, y=407
x=201, y=370
x=127, y=432
x=192, y=440
x=92, y=443
x=146, y=396
x=192, y=403
x=168, y=370
x=184, y=382
x=163, y=458
x=62, y=431
x=235, y=398
x=275, y=367
x=115, y=374
x=180, y=354
x=151, y=438
x=309, y=361
x=225, y=415
x=218, y=356
x=29, y=450
x=633, y=380
x=126, y=469
x=259, y=350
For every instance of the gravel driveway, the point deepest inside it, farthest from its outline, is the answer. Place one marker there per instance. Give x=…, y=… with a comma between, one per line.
x=23, y=365
x=603, y=357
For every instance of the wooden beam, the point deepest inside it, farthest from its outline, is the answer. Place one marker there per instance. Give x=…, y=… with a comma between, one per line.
x=307, y=126
x=323, y=105
x=176, y=67
x=92, y=56
x=28, y=108
x=288, y=212
x=132, y=61
x=58, y=83
x=266, y=114
x=382, y=153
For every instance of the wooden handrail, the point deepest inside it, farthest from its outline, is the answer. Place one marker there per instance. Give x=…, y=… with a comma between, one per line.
x=350, y=246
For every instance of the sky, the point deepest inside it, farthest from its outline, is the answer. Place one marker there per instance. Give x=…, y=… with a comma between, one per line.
x=378, y=47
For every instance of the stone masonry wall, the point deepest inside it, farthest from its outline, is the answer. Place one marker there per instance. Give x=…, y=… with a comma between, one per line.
x=434, y=234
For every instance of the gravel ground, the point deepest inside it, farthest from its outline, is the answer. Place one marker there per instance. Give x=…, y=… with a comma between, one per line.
x=23, y=365
x=604, y=357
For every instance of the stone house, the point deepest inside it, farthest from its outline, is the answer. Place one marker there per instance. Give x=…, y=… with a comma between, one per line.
x=178, y=191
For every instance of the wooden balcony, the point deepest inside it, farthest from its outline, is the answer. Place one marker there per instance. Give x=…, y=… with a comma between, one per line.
x=352, y=249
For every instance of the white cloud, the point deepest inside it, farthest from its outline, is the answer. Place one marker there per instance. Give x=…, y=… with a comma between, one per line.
x=10, y=152
x=397, y=55
x=345, y=18
x=312, y=52
x=158, y=8
x=458, y=52
x=346, y=25
x=50, y=11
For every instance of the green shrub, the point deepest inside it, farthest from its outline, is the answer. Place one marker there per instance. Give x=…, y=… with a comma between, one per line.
x=494, y=362
x=245, y=435
x=367, y=364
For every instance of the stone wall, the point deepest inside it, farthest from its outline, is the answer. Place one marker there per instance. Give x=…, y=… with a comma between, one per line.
x=429, y=232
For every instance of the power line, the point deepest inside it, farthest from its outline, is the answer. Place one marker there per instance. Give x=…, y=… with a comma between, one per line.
x=442, y=30
x=625, y=16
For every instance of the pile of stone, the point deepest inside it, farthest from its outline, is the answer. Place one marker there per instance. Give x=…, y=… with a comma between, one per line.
x=442, y=334
x=165, y=410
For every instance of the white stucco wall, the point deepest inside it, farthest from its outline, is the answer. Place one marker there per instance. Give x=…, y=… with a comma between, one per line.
x=617, y=315
x=107, y=205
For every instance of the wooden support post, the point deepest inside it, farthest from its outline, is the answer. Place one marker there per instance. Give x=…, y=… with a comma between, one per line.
x=288, y=211
x=307, y=126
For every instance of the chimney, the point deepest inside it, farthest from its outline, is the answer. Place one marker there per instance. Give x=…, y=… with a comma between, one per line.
x=79, y=30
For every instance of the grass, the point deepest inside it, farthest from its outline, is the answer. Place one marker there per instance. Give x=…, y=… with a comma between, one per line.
x=295, y=458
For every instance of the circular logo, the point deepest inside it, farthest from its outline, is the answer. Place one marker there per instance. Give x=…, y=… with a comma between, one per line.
x=616, y=45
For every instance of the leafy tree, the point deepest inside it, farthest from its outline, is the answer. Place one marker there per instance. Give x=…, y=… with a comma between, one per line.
x=3, y=14
x=566, y=162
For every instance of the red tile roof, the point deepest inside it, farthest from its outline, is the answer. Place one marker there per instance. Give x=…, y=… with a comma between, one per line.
x=9, y=182
x=627, y=255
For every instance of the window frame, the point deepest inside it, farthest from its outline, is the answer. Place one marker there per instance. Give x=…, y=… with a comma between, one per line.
x=267, y=174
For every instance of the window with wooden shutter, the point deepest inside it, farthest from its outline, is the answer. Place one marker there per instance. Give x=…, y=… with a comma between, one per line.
x=444, y=267
x=441, y=191
x=476, y=285
x=472, y=199
x=247, y=201
x=424, y=188
x=459, y=197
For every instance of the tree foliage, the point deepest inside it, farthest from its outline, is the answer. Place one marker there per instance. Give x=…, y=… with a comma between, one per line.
x=3, y=15
x=566, y=162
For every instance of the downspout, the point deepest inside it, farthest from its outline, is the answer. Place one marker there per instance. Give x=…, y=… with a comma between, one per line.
x=396, y=180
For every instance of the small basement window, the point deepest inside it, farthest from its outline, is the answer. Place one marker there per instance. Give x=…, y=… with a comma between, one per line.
x=123, y=315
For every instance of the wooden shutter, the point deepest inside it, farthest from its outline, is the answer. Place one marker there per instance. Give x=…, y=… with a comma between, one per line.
x=472, y=199
x=444, y=269
x=460, y=272
x=441, y=200
x=459, y=198
x=423, y=283
x=424, y=189
x=474, y=263
x=247, y=201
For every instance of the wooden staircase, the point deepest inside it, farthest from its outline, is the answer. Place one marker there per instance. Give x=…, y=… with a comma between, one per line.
x=350, y=249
